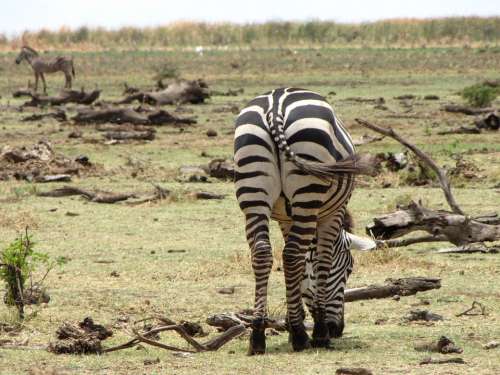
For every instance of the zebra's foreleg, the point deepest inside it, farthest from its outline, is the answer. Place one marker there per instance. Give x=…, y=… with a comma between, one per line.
x=36, y=81
x=337, y=280
x=44, y=83
x=257, y=228
x=68, y=79
x=299, y=238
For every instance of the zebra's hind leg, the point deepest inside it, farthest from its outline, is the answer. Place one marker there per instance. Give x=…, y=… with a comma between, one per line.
x=257, y=228
x=299, y=238
x=324, y=267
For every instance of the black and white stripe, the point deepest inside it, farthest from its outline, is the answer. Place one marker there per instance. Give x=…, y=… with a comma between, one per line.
x=295, y=163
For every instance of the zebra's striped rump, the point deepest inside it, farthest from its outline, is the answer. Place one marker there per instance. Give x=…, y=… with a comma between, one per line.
x=294, y=162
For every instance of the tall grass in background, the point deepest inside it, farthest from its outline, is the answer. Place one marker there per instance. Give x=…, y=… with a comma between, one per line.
x=455, y=31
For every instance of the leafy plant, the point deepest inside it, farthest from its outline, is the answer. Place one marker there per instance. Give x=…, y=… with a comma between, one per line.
x=480, y=95
x=18, y=262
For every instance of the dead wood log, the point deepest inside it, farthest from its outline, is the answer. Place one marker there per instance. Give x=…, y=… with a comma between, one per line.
x=443, y=179
x=123, y=127
x=475, y=305
x=134, y=135
x=401, y=287
x=358, y=99
x=457, y=229
x=97, y=196
x=182, y=91
x=58, y=115
x=365, y=139
x=127, y=116
x=65, y=96
x=53, y=178
x=490, y=122
x=168, y=325
x=472, y=248
x=353, y=371
x=410, y=241
x=471, y=111
x=461, y=130
x=441, y=361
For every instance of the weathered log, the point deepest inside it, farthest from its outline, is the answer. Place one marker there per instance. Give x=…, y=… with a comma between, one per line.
x=53, y=178
x=490, y=122
x=409, y=241
x=472, y=248
x=127, y=115
x=365, y=139
x=458, y=229
x=441, y=361
x=58, y=115
x=358, y=99
x=65, y=96
x=461, y=130
x=182, y=91
x=134, y=135
x=401, y=287
x=471, y=111
x=97, y=197
x=169, y=325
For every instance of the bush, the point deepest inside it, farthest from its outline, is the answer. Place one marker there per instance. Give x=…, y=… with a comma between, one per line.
x=480, y=95
x=18, y=261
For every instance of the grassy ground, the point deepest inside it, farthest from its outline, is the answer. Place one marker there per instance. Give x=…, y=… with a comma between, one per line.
x=183, y=285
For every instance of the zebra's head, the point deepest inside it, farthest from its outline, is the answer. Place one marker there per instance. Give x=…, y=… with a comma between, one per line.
x=26, y=53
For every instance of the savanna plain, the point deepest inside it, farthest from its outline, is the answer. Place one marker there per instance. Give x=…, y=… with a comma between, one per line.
x=125, y=263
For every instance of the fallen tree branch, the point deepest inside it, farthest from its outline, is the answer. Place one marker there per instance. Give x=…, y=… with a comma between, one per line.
x=65, y=96
x=443, y=180
x=475, y=305
x=211, y=345
x=410, y=241
x=458, y=229
x=471, y=248
x=461, y=130
x=127, y=116
x=454, y=108
x=148, y=135
x=97, y=197
x=441, y=361
x=401, y=287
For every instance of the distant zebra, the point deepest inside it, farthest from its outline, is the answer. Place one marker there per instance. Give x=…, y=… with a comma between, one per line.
x=43, y=65
x=295, y=163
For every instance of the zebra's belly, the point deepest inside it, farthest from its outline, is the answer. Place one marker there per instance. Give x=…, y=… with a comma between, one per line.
x=338, y=194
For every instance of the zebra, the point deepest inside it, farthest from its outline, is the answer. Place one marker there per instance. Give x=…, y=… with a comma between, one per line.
x=295, y=163
x=41, y=65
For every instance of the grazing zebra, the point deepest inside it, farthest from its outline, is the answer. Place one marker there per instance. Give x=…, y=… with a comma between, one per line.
x=295, y=163
x=337, y=277
x=43, y=65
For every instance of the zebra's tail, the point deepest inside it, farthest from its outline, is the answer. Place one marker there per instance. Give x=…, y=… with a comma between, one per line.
x=73, y=69
x=356, y=164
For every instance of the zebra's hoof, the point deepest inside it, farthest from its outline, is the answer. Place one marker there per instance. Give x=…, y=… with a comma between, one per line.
x=336, y=329
x=321, y=335
x=257, y=342
x=299, y=338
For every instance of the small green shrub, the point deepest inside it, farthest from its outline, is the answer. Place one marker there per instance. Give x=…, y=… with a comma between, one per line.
x=480, y=95
x=18, y=262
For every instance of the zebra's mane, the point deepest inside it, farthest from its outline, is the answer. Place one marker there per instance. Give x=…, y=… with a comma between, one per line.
x=31, y=50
